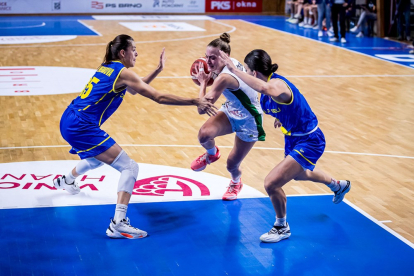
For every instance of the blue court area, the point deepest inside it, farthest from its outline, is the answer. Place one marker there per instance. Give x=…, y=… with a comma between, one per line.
x=44, y=25
x=389, y=50
x=201, y=238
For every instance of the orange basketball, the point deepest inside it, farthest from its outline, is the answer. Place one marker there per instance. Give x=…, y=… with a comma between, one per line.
x=193, y=71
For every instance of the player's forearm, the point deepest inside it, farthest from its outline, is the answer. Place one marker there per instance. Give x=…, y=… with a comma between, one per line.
x=147, y=79
x=169, y=99
x=201, y=94
x=255, y=83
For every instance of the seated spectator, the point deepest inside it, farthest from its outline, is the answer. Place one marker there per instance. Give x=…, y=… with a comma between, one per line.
x=369, y=12
x=307, y=18
x=293, y=4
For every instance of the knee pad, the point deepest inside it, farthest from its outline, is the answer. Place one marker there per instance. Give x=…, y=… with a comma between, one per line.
x=129, y=172
x=88, y=164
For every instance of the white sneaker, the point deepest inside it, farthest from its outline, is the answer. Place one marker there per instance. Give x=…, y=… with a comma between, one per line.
x=289, y=19
x=124, y=230
x=411, y=52
x=277, y=233
x=308, y=26
x=360, y=34
x=331, y=34
x=294, y=21
x=354, y=29
x=333, y=39
x=320, y=34
x=60, y=183
x=344, y=188
x=343, y=40
x=315, y=27
x=301, y=24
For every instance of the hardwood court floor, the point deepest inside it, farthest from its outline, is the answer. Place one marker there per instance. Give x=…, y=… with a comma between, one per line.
x=364, y=105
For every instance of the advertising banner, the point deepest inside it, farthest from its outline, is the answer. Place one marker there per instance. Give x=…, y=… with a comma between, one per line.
x=234, y=6
x=101, y=6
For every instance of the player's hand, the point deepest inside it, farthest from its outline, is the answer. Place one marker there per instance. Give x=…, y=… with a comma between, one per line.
x=277, y=123
x=201, y=75
x=227, y=61
x=163, y=58
x=206, y=106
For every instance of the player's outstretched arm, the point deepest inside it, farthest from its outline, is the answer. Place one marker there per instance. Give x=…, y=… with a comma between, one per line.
x=135, y=85
x=158, y=70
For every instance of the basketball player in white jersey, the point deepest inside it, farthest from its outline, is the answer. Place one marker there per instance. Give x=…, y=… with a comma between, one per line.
x=241, y=113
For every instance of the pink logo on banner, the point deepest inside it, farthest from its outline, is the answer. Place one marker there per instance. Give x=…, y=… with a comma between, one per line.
x=157, y=186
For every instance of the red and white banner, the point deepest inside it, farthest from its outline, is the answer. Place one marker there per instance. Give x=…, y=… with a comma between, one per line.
x=233, y=5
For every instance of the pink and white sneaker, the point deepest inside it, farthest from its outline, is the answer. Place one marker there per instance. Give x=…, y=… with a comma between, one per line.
x=233, y=190
x=203, y=160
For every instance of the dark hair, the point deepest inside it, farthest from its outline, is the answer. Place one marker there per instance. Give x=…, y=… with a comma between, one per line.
x=222, y=43
x=121, y=42
x=258, y=60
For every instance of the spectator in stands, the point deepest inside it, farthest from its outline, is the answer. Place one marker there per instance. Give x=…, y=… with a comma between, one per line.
x=369, y=12
x=338, y=9
x=307, y=16
x=293, y=4
x=324, y=10
x=403, y=15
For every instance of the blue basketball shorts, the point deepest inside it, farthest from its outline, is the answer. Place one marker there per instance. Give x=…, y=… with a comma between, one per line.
x=86, y=139
x=306, y=150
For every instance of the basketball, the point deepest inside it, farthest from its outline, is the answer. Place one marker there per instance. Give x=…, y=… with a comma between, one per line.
x=193, y=71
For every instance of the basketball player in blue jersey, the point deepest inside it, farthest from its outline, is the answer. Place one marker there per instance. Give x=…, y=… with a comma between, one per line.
x=304, y=140
x=241, y=113
x=81, y=122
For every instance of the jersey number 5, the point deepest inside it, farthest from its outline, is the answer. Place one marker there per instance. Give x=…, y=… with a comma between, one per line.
x=88, y=88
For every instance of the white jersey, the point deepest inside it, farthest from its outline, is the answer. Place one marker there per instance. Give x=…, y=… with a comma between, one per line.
x=243, y=108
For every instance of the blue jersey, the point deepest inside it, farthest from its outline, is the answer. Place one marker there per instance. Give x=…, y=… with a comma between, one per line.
x=99, y=100
x=296, y=117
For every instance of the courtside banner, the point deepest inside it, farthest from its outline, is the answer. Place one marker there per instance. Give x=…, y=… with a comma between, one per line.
x=233, y=5
x=100, y=6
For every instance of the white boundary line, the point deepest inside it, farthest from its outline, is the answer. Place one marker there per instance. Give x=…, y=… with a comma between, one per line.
x=24, y=27
x=89, y=27
x=226, y=147
x=380, y=224
x=367, y=216
x=136, y=42
x=323, y=42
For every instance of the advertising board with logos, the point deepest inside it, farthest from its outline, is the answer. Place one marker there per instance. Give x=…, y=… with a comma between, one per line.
x=101, y=6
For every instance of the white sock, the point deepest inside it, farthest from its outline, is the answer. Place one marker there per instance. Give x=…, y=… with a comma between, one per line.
x=120, y=212
x=236, y=180
x=69, y=178
x=305, y=21
x=212, y=151
x=334, y=185
x=280, y=221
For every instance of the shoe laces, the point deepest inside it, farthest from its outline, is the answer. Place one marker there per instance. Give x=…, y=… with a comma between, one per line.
x=232, y=187
x=127, y=222
x=277, y=229
x=203, y=157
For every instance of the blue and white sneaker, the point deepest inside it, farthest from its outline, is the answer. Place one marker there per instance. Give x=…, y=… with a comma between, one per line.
x=124, y=230
x=344, y=188
x=277, y=233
